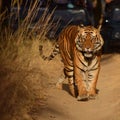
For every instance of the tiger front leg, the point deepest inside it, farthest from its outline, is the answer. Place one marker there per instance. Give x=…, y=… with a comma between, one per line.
x=69, y=73
x=72, y=87
x=81, y=85
x=92, y=82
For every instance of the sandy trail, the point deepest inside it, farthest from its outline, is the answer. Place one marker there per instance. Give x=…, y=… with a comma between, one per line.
x=60, y=105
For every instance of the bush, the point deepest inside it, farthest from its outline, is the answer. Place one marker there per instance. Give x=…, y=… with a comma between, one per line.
x=20, y=70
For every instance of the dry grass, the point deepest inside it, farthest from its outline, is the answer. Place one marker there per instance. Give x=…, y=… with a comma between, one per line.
x=21, y=75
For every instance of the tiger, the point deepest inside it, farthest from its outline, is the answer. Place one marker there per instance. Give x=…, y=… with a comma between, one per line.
x=80, y=48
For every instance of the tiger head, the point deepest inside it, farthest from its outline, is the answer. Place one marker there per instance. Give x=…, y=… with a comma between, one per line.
x=88, y=41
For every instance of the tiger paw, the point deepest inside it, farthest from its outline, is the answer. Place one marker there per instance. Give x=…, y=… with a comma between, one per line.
x=82, y=91
x=92, y=97
x=92, y=94
x=82, y=98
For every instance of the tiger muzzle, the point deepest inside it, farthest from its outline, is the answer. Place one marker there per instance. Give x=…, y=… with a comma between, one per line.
x=88, y=52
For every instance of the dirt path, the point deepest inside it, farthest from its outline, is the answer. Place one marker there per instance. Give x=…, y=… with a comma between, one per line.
x=60, y=105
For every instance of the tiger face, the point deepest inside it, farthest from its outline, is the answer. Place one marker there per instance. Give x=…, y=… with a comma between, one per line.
x=88, y=41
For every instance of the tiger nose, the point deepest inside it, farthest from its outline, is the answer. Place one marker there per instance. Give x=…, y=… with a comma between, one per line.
x=88, y=49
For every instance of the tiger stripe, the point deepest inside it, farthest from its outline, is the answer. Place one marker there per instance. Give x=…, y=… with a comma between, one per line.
x=80, y=50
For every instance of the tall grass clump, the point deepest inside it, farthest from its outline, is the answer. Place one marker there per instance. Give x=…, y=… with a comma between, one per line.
x=19, y=59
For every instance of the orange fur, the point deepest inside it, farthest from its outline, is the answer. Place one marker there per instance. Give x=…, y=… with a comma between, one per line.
x=82, y=62
x=80, y=49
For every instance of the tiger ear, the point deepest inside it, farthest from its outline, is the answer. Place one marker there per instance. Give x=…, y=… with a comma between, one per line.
x=79, y=28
